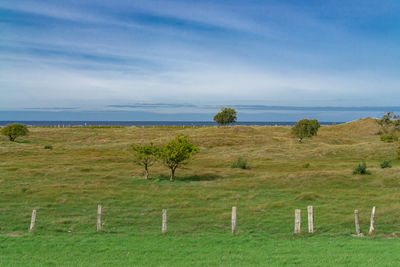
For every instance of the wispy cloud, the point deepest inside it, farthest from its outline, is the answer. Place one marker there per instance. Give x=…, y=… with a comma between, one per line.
x=53, y=108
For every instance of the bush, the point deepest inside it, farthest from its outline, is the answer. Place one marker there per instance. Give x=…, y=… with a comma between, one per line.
x=389, y=123
x=390, y=138
x=241, y=164
x=14, y=130
x=48, y=147
x=306, y=165
x=386, y=164
x=361, y=169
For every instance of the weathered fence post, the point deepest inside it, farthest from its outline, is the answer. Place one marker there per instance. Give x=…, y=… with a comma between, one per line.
x=99, y=217
x=371, y=227
x=297, y=221
x=310, y=219
x=33, y=219
x=164, y=221
x=357, y=222
x=233, y=220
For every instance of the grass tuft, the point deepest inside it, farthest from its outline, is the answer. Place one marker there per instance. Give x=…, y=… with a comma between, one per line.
x=241, y=164
x=306, y=165
x=308, y=196
x=386, y=164
x=361, y=169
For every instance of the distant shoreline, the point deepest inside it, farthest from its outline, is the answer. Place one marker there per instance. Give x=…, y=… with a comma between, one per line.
x=149, y=123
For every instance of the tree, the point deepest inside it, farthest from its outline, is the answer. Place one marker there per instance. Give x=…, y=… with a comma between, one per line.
x=177, y=152
x=389, y=123
x=225, y=116
x=14, y=130
x=145, y=156
x=386, y=120
x=305, y=128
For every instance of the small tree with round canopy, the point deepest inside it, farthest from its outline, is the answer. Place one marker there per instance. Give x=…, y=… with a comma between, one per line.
x=14, y=130
x=145, y=155
x=225, y=116
x=177, y=152
x=305, y=128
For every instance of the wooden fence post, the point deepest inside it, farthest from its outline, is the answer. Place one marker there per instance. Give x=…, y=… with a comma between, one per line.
x=310, y=219
x=357, y=222
x=99, y=217
x=164, y=221
x=297, y=221
x=33, y=219
x=233, y=220
x=371, y=227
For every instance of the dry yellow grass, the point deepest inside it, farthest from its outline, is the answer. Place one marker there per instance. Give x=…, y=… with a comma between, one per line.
x=91, y=165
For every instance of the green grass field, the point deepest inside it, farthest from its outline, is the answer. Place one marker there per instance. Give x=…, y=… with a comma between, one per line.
x=88, y=166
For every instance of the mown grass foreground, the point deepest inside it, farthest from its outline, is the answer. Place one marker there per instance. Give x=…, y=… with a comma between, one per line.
x=88, y=166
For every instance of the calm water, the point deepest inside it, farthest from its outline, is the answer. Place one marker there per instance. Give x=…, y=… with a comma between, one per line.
x=146, y=123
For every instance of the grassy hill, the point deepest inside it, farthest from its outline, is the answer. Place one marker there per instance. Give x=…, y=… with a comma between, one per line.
x=94, y=165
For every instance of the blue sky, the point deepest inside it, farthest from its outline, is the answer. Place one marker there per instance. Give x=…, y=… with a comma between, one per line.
x=194, y=56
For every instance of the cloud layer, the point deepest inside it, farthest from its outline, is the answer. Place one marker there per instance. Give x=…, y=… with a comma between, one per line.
x=97, y=55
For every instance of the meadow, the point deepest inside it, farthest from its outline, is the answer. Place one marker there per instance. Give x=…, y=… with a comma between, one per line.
x=93, y=165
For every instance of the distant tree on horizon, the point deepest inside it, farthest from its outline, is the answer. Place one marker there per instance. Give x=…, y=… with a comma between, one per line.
x=305, y=128
x=14, y=130
x=225, y=116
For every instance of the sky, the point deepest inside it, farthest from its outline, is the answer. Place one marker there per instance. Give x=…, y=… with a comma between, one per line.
x=184, y=59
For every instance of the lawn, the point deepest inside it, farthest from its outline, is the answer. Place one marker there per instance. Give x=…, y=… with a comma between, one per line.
x=196, y=250
x=93, y=165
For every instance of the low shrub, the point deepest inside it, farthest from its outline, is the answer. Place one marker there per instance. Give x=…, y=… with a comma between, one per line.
x=390, y=138
x=398, y=153
x=361, y=169
x=386, y=164
x=48, y=147
x=241, y=164
x=306, y=165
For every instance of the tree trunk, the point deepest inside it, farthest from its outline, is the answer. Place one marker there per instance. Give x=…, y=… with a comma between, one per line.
x=12, y=139
x=172, y=174
x=146, y=168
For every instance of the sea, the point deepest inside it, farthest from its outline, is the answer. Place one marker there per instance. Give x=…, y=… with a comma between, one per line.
x=150, y=123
